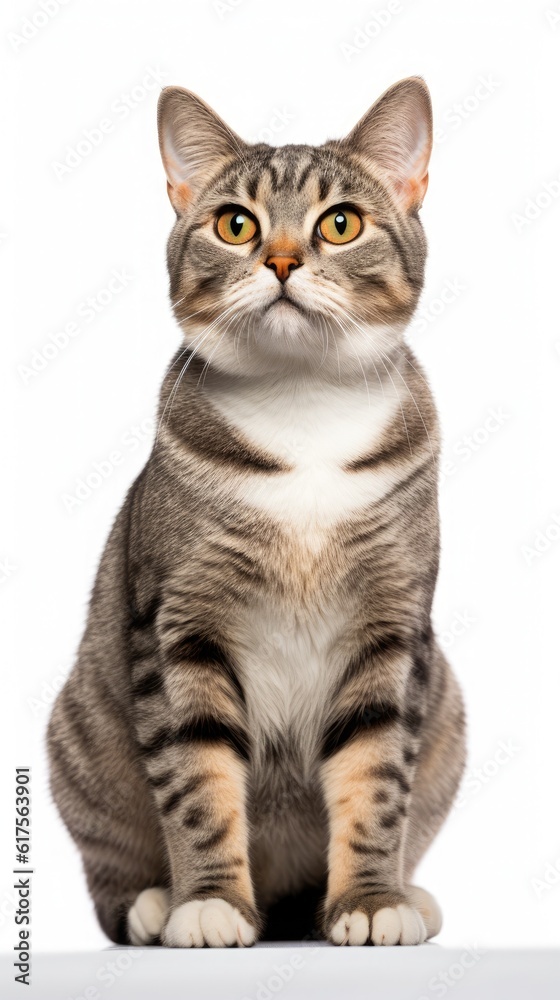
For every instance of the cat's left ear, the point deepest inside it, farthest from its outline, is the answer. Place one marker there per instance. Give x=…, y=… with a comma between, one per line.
x=396, y=135
x=194, y=142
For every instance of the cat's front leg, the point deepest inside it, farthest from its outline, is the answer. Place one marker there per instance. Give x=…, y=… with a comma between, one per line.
x=367, y=772
x=193, y=739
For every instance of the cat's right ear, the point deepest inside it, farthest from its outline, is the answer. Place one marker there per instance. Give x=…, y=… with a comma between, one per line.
x=396, y=135
x=193, y=142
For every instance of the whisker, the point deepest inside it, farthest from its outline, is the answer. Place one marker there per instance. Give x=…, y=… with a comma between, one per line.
x=187, y=346
x=372, y=362
x=399, y=373
x=397, y=394
x=322, y=327
x=207, y=363
x=416, y=405
x=171, y=397
x=202, y=337
x=349, y=339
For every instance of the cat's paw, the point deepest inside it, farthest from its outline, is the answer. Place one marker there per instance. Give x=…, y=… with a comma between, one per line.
x=428, y=908
x=213, y=922
x=147, y=916
x=379, y=924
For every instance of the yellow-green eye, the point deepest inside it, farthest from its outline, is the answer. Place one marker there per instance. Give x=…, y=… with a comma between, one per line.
x=340, y=225
x=236, y=226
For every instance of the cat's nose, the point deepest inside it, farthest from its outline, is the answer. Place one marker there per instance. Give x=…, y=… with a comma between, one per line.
x=282, y=264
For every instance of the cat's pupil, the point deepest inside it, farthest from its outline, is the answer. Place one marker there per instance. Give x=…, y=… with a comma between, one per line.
x=237, y=224
x=340, y=222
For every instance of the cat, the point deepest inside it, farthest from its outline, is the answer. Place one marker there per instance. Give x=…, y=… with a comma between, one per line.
x=259, y=707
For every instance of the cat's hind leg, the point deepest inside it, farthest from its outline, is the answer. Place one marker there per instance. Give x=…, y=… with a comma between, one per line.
x=107, y=805
x=438, y=773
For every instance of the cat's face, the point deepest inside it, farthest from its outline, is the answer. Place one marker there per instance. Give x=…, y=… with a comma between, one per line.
x=297, y=256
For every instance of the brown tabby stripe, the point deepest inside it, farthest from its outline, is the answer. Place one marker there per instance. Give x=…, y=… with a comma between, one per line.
x=390, y=772
x=374, y=715
x=151, y=683
x=400, y=248
x=208, y=655
x=159, y=780
x=202, y=730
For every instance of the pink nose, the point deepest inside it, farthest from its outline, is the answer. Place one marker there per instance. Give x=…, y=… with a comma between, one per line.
x=282, y=265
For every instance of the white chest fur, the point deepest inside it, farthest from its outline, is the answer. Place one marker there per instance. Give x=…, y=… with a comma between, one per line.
x=287, y=654
x=316, y=429
x=287, y=663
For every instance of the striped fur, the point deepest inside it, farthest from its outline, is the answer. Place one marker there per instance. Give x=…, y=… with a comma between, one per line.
x=259, y=707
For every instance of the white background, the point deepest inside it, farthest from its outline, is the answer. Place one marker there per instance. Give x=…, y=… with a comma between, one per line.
x=494, y=348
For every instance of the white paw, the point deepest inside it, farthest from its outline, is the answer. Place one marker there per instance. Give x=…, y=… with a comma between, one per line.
x=147, y=916
x=351, y=928
x=398, y=925
x=207, y=921
x=392, y=925
x=428, y=908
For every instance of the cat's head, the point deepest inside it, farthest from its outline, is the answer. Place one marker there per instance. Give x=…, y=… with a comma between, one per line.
x=296, y=255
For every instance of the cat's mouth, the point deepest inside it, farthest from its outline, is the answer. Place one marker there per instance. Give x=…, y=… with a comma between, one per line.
x=284, y=300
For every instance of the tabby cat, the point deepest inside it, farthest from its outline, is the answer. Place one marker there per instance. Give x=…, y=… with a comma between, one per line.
x=260, y=714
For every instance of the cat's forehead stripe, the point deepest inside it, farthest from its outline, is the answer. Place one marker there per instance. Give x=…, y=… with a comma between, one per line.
x=288, y=170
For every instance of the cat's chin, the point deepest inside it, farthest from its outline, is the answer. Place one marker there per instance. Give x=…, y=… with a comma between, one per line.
x=286, y=321
x=287, y=333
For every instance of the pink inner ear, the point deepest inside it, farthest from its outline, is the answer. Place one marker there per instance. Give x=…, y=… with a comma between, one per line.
x=180, y=196
x=411, y=186
x=412, y=191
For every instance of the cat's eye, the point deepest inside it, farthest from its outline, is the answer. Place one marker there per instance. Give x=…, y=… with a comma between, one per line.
x=236, y=225
x=339, y=225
